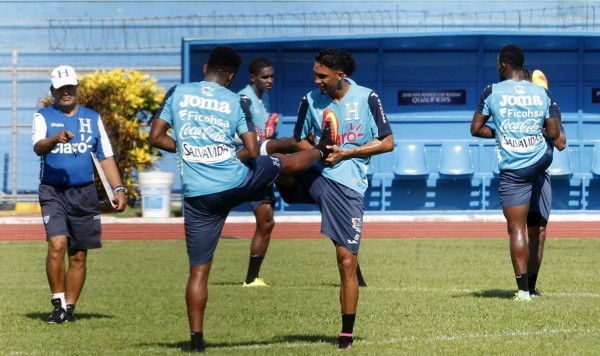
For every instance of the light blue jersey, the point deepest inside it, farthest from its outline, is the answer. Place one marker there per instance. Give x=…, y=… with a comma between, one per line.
x=361, y=120
x=518, y=110
x=205, y=117
x=260, y=109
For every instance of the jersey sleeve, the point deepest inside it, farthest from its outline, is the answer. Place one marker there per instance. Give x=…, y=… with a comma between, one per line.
x=104, y=149
x=381, y=121
x=553, y=109
x=164, y=112
x=302, y=128
x=482, y=107
x=38, y=128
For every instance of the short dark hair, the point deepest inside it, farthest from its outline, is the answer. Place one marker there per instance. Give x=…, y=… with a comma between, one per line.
x=224, y=59
x=512, y=55
x=259, y=63
x=338, y=59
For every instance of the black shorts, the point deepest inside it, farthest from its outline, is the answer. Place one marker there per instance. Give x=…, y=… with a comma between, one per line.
x=516, y=186
x=205, y=215
x=73, y=212
x=341, y=207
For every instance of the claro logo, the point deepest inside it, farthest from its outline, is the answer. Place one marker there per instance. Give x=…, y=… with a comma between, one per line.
x=350, y=136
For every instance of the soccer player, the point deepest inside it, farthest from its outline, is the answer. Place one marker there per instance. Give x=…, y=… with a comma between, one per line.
x=256, y=92
x=205, y=117
x=541, y=202
x=338, y=184
x=523, y=114
x=63, y=136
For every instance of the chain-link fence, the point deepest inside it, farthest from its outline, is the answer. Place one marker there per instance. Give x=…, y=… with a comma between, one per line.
x=23, y=88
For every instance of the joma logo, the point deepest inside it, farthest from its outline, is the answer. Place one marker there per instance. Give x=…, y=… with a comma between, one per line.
x=521, y=100
x=204, y=103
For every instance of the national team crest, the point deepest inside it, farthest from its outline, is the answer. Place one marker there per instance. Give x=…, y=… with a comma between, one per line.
x=357, y=224
x=519, y=89
x=208, y=91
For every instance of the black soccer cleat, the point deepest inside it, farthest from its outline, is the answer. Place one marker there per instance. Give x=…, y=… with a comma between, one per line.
x=197, y=344
x=345, y=342
x=59, y=315
x=325, y=141
x=534, y=293
x=70, y=310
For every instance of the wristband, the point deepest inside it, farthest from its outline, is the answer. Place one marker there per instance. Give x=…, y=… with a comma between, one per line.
x=120, y=188
x=263, y=148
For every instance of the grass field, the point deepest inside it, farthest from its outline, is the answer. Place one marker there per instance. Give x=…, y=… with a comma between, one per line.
x=424, y=297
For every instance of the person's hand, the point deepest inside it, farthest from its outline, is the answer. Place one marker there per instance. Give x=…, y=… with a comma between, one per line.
x=63, y=136
x=120, y=201
x=336, y=155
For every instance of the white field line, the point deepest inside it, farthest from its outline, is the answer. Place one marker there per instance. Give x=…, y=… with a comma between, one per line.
x=316, y=218
x=445, y=291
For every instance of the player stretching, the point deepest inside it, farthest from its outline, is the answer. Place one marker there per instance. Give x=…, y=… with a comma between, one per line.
x=265, y=123
x=523, y=114
x=338, y=185
x=205, y=117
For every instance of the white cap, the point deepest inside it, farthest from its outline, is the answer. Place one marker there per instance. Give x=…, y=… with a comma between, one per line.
x=63, y=75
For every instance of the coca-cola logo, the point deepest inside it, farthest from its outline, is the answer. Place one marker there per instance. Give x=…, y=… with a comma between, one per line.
x=530, y=126
x=204, y=133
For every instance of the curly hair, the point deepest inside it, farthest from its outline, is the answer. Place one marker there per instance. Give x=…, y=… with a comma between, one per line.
x=257, y=64
x=224, y=59
x=338, y=59
x=512, y=55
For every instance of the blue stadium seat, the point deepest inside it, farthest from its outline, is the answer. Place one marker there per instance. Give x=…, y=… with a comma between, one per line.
x=410, y=161
x=596, y=160
x=561, y=164
x=455, y=161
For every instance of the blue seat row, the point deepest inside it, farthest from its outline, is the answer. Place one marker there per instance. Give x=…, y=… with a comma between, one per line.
x=411, y=161
x=455, y=161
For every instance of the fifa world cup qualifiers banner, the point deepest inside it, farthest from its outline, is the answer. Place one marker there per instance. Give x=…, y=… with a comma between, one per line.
x=432, y=97
x=595, y=95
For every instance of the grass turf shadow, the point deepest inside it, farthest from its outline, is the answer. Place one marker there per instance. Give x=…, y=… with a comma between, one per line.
x=78, y=316
x=284, y=339
x=494, y=293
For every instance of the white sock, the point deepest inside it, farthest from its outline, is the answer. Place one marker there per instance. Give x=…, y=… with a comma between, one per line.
x=263, y=148
x=63, y=302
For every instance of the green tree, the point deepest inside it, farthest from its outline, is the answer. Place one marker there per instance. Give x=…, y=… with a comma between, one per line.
x=125, y=99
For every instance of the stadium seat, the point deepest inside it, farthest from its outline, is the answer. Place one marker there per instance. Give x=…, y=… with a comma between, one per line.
x=410, y=161
x=596, y=160
x=561, y=164
x=455, y=161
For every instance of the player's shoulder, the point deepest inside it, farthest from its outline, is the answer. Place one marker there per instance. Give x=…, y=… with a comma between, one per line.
x=46, y=110
x=359, y=90
x=247, y=90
